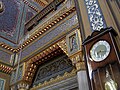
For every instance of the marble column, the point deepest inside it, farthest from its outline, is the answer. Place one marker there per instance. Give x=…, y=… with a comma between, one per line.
x=82, y=80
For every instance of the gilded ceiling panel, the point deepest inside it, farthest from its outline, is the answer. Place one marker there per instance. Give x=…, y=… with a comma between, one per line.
x=9, y=19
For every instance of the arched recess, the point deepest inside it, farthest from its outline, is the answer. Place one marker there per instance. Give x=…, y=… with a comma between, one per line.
x=31, y=67
x=62, y=47
x=72, y=46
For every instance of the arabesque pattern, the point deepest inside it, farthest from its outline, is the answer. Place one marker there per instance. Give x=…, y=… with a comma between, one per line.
x=95, y=15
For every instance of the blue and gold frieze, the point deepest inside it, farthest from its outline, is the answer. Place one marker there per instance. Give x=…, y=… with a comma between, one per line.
x=12, y=20
x=56, y=32
x=30, y=9
x=95, y=15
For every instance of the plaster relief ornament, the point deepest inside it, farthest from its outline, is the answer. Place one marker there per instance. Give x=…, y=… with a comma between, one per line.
x=1, y=7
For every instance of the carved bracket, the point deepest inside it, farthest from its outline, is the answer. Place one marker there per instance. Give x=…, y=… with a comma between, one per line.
x=63, y=46
x=71, y=45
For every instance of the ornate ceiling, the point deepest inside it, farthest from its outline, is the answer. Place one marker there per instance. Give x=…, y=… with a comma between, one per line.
x=9, y=18
x=43, y=2
x=14, y=14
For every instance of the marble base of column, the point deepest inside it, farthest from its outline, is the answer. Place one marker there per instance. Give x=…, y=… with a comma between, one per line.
x=82, y=80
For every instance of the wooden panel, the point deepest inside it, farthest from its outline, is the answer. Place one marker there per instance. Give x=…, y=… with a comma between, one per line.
x=106, y=73
x=99, y=78
x=96, y=79
x=116, y=72
x=112, y=55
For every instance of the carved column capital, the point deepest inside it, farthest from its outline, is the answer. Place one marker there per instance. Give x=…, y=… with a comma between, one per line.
x=23, y=86
x=77, y=60
x=71, y=45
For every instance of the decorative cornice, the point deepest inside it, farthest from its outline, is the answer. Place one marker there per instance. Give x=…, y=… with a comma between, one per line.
x=46, y=53
x=77, y=60
x=54, y=80
x=53, y=21
x=5, y=46
x=41, y=2
x=50, y=25
x=5, y=69
x=38, y=33
x=33, y=21
x=19, y=83
x=38, y=59
x=27, y=3
x=99, y=33
x=63, y=46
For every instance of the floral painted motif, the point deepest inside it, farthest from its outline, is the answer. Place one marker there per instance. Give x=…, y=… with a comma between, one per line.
x=95, y=15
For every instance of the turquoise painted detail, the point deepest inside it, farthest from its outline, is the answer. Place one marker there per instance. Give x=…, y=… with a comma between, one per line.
x=2, y=84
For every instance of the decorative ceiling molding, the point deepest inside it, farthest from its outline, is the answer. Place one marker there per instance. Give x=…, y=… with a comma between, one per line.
x=38, y=33
x=38, y=59
x=63, y=46
x=5, y=46
x=5, y=69
x=49, y=8
x=42, y=2
x=45, y=29
x=27, y=3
